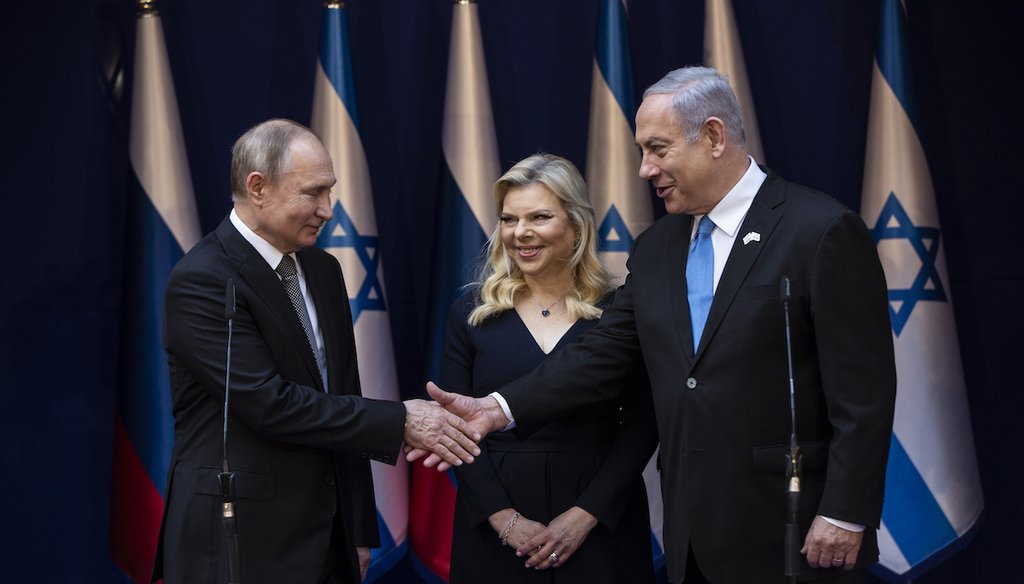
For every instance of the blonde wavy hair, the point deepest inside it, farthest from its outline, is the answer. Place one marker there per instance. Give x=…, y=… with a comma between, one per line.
x=500, y=279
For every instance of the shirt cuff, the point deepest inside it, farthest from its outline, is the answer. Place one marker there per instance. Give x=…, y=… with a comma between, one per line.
x=505, y=410
x=844, y=524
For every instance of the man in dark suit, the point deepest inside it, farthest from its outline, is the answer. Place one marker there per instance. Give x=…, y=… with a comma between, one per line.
x=721, y=388
x=300, y=434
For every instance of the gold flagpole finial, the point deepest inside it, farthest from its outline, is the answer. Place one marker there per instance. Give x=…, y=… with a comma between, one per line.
x=147, y=7
x=465, y=2
x=334, y=4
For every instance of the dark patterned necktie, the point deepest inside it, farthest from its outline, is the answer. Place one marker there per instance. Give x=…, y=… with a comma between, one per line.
x=290, y=279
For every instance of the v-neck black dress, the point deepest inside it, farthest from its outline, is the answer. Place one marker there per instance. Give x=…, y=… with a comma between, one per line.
x=593, y=459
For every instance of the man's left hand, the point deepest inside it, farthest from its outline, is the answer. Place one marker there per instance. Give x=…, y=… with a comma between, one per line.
x=830, y=546
x=364, y=561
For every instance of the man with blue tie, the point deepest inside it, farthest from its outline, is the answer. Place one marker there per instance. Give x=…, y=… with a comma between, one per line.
x=701, y=308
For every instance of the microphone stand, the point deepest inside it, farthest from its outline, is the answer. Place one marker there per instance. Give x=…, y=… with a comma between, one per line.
x=227, y=478
x=792, y=545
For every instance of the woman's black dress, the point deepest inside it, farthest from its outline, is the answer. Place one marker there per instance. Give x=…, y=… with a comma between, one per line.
x=593, y=459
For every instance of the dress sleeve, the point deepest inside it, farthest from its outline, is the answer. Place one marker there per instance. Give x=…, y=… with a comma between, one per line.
x=479, y=487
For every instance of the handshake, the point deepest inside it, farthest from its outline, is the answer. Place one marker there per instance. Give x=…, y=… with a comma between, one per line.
x=447, y=430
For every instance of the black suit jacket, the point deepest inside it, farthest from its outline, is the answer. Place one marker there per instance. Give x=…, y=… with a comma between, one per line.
x=723, y=414
x=305, y=496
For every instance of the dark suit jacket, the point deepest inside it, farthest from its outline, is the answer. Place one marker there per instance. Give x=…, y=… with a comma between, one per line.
x=305, y=496
x=723, y=414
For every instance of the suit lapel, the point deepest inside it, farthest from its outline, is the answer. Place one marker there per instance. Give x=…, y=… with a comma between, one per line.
x=762, y=218
x=320, y=289
x=255, y=271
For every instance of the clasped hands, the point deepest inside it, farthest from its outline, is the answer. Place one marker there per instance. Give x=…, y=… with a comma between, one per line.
x=468, y=419
x=546, y=546
x=431, y=428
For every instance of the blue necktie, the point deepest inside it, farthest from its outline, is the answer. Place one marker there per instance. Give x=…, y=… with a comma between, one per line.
x=700, y=278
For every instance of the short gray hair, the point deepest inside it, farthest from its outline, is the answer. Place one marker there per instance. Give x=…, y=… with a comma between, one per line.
x=699, y=93
x=263, y=148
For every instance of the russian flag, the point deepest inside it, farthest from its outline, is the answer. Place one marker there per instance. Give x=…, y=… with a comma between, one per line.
x=621, y=199
x=723, y=51
x=466, y=218
x=162, y=226
x=351, y=236
x=933, y=494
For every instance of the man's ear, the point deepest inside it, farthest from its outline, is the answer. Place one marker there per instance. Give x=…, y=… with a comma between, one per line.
x=714, y=133
x=254, y=185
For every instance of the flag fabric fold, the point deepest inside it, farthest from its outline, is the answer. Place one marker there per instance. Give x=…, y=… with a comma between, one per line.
x=723, y=51
x=466, y=218
x=933, y=495
x=162, y=226
x=621, y=199
x=352, y=237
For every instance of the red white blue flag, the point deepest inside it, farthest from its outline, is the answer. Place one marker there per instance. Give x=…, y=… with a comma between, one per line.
x=162, y=226
x=466, y=218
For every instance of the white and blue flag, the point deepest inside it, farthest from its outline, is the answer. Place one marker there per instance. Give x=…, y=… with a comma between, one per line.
x=621, y=199
x=723, y=51
x=351, y=236
x=933, y=494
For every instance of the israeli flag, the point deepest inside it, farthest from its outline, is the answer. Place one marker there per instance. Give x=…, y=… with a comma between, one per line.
x=933, y=494
x=621, y=199
x=162, y=226
x=351, y=237
x=723, y=51
x=466, y=218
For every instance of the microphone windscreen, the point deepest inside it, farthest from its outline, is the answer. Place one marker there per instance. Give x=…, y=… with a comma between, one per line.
x=229, y=300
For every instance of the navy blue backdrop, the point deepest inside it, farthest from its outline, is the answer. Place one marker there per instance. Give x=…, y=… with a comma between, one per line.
x=64, y=156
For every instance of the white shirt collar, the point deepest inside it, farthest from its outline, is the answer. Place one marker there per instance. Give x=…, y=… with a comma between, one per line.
x=729, y=213
x=266, y=250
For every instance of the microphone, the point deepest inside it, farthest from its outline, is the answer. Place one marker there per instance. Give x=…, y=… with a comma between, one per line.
x=792, y=560
x=227, y=478
x=230, y=306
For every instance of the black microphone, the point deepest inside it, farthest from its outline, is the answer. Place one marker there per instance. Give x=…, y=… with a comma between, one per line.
x=792, y=560
x=227, y=478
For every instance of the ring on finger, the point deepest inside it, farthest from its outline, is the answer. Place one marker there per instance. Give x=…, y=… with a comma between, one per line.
x=837, y=559
x=554, y=558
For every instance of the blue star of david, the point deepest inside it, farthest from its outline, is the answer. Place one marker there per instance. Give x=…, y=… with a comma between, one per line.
x=613, y=223
x=371, y=294
x=925, y=242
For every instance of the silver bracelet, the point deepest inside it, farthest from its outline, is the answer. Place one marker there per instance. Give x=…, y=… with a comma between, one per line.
x=508, y=528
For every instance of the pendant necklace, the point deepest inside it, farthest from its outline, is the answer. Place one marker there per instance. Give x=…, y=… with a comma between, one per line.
x=545, y=311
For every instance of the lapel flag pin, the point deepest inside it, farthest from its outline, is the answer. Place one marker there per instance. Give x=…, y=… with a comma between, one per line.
x=752, y=236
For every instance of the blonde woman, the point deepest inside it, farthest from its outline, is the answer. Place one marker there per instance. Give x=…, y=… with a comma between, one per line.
x=578, y=479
